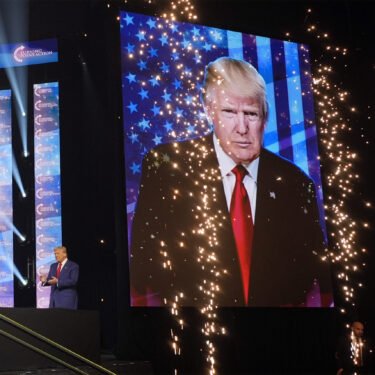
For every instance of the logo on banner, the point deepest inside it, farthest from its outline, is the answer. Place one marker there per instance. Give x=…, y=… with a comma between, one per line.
x=42, y=270
x=3, y=227
x=40, y=105
x=41, y=289
x=3, y=170
x=41, y=254
x=44, y=223
x=43, y=239
x=40, y=120
x=40, y=149
x=43, y=91
x=5, y=212
x=43, y=302
x=41, y=179
x=41, y=193
x=4, y=139
x=42, y=209
x=4, y=154
x=22, y=52
x=4, y=126
x=4, y=198
x=40, y=163
x=40, y=133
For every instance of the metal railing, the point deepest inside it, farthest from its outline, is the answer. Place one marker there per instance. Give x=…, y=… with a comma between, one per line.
x=52, y=343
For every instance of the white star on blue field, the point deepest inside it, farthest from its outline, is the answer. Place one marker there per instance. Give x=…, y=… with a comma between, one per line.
x=160, y=63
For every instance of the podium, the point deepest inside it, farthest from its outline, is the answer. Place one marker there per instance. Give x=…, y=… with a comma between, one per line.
x=77, y=330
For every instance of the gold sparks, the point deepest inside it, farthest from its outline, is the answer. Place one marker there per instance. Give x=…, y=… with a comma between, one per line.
x=181, y=9
x=338, y=160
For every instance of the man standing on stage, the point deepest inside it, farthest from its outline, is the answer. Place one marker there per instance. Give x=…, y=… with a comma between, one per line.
x=63, y=278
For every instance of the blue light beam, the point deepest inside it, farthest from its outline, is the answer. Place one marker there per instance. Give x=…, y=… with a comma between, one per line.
x=12, y=227
x=17, y=177
x=17, y=25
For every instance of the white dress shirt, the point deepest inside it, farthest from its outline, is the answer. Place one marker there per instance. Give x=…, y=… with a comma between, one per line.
x=226, y=164
x=63, y=264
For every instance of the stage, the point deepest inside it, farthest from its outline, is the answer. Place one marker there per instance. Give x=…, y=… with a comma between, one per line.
x=118, y=367
x=79, y=115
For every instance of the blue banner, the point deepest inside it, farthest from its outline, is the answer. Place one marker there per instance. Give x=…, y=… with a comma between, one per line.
x=28, y=53
x=47, y=181
x=6, y=201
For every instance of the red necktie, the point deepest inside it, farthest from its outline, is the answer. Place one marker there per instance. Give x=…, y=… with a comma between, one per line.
x=243, y=227
x=58, y=270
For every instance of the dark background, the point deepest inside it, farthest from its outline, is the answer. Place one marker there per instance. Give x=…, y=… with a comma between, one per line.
x=93, y=181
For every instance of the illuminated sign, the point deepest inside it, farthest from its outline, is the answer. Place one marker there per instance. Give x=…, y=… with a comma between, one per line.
x=28, y=53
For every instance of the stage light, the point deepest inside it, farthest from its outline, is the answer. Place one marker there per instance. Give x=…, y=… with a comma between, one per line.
x=16, y=26
x=18, y=234
x=12, y=268
x=17, y=177
x=17, y=273
x=11, y=226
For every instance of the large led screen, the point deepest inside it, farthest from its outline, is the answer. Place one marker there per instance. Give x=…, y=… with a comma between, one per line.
x=224, y=199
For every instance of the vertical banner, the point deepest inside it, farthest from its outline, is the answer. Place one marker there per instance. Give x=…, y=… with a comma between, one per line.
x=6, y=206
x=47, y=181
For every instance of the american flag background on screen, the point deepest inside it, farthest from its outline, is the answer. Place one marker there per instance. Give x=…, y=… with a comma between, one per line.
x=163, y=66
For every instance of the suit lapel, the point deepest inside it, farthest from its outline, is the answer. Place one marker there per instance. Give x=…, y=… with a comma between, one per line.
x=66, y=266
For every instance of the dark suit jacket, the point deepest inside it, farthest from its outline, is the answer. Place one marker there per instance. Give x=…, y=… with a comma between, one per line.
x=64, y=294
x=345, y=360
x=170, y=253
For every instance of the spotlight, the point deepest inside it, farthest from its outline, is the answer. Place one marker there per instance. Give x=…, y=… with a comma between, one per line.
x=26, y=153
x=24, y=114
x=16, y=175
x=12, y=227
x=24, y=195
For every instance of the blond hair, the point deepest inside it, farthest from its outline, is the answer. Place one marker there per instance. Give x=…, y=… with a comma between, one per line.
x=237, y=76
x=63, y=248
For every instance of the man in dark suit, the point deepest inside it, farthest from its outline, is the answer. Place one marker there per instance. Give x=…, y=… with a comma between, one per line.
x=221, y=219
x=63, y=279
x=354, y=352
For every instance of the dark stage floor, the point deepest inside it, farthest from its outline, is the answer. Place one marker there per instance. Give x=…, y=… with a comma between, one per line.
x=118, y=367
